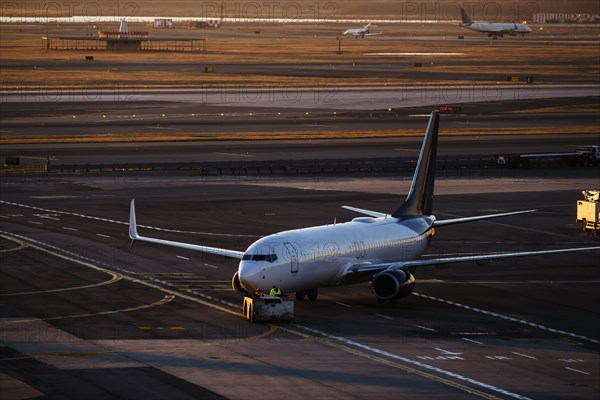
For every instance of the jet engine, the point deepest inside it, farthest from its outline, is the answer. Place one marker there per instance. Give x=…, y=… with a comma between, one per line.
x=391, y=285
x=237, y=285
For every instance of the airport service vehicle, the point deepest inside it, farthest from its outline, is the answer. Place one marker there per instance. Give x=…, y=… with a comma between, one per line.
x=588, y=210
x=267, y=308
x=494, y=29
x=378, y=247
x=362, y=32
x=589, y=155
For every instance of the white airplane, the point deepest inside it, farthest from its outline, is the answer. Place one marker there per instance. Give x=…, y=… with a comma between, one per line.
x=381, y=248
x=362, y=32
x=493, y=28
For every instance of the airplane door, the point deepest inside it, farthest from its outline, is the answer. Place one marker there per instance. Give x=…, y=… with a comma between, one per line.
x=292, y=252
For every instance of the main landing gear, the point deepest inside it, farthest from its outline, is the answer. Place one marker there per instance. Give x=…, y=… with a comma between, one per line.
x=311, y=294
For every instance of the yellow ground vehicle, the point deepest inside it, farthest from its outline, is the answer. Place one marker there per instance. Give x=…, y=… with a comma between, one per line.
x=588, y=210
x=267, y=308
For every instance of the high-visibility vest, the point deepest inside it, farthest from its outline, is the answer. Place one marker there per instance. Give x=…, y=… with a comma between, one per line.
x=275, y=292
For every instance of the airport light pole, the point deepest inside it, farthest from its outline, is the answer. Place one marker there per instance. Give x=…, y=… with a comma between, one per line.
x=339, y=39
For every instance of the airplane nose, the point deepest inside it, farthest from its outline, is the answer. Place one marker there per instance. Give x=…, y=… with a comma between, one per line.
x=249, y=274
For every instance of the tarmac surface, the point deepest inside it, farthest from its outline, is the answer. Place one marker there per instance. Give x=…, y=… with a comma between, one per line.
x=84, y=316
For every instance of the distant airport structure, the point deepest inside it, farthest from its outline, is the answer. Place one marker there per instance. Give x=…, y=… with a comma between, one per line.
x=562, y=18
x=124, y=40
x=215, y=23
x=163, y=23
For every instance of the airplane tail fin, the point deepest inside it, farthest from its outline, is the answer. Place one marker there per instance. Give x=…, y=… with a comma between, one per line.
x=465, y=17
x=420, y=196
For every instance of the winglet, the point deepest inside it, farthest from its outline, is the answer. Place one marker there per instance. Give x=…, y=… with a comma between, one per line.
x=133, y=234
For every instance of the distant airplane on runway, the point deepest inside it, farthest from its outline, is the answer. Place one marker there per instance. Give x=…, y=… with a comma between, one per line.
x=362, y=32
x=379, y=247
x=493, y=28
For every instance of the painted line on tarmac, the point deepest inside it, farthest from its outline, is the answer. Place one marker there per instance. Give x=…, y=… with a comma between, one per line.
x=119, y=222
x=524, y=355
x=170, y=294
x=115, y=277
x=164, y=300
x=343, y=304
x=21, y=245
x=425, y=328
x=578, y=371
x=89, y=263
x=127, y=275
x=374, y=354
x=508, y=318
x=471, y=340
x=59, y=354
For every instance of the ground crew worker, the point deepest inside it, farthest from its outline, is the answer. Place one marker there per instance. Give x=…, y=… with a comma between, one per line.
x=275, y=292
x=259, y=293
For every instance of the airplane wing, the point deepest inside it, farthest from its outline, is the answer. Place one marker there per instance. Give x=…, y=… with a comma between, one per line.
x=377, y=214
x=373, y=34
x=133, y=234
x=374, y=268
x=476, y=218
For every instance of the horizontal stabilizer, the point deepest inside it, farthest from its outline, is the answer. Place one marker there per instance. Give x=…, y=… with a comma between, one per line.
x=374, y=214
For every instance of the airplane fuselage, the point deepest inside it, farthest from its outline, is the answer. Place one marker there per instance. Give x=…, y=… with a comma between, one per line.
x=356, y=32
x=308, y=258
x=498, y=29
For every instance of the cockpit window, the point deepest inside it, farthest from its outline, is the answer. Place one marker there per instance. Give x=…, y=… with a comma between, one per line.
x=260, y=257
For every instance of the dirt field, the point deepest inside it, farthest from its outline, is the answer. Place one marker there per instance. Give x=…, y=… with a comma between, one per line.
x=309, y=51
x=323, y=9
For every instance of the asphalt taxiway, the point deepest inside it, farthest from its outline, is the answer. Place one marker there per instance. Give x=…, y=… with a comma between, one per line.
x=85, y=316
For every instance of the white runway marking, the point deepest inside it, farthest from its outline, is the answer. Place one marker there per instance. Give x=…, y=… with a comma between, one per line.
x=416, y=363
x=471, y=340
x=343, y=304
x=211, y=298
x=452, y=353
x=102, y=235
x=426, y=328
x=577, y=370
x=46, y=216
x=524, y=355
x=57, y=212
x=508, y=318
x=183, y=258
